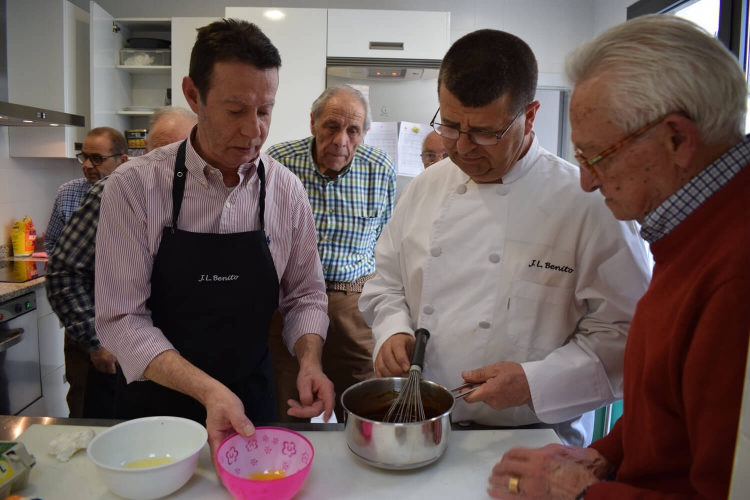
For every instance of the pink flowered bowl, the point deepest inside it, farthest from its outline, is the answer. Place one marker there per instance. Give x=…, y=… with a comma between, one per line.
x=269, y=449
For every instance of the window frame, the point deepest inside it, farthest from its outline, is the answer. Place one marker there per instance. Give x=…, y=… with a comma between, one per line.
x=732, y=21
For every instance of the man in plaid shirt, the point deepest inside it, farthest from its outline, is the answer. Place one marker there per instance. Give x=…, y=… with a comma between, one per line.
x=89, y=367
x=351, y=187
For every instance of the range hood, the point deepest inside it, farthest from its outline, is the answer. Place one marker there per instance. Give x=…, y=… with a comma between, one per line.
x=17, y=115
x=360, y=68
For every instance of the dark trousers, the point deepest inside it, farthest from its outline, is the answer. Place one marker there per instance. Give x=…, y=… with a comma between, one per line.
x=92, y=394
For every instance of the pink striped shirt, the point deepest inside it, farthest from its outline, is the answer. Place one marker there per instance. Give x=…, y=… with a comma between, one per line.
x=137, y=205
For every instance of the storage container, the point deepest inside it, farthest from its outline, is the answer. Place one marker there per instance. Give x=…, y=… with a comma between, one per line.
x=136, y=137
x=145, y=57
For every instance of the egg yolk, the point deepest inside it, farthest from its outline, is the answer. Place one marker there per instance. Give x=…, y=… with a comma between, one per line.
x=148, y=462
x=267, y=475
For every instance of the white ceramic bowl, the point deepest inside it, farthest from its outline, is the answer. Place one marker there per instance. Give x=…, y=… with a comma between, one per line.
x=142, y=438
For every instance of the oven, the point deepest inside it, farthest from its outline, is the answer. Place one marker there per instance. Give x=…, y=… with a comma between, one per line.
x=20, y=372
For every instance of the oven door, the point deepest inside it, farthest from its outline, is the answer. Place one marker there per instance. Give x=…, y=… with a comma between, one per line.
x=20, y=374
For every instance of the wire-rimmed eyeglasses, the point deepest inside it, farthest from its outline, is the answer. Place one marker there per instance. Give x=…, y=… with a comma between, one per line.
x=478, y=138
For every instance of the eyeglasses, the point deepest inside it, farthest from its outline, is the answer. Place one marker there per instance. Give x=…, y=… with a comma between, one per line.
x=478, y=138
x=433, y=156
x=590, y=162
x=96, y=160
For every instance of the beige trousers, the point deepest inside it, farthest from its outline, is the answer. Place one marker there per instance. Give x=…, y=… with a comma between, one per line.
x=347, y=353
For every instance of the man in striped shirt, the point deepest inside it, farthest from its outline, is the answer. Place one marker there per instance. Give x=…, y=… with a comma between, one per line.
x=200, y=242
x=351, y=187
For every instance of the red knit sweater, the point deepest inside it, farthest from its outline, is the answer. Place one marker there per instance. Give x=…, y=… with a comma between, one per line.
x=685, y=359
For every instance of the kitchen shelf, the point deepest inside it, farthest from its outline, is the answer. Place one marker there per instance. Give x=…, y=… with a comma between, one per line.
x=146, y=24
x=146, y=70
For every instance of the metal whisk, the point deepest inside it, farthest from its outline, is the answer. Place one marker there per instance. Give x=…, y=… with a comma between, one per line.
x=408, y=406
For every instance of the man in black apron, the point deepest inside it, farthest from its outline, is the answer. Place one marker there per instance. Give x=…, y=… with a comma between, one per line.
x=187, y=306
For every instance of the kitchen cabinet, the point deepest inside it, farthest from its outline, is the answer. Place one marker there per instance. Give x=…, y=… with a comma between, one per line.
x=386, y=34
x=48, y=67
x=302, y=77
x=124, y=97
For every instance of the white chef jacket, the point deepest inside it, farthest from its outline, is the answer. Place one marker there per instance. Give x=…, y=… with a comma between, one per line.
x=533, y=270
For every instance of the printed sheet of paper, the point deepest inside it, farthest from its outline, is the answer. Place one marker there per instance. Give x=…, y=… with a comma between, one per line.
x=410, y=139
x=384, y=135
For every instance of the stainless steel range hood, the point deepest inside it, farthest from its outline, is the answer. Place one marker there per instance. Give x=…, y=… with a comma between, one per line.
x=17, y=115
x=361, y=68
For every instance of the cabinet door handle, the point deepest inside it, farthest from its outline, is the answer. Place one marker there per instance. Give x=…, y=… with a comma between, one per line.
x=386, y=45
x=10, y=338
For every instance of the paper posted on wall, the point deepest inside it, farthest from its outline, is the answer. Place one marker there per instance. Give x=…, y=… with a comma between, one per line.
x=410, y=139
x=384, y=135
x=403, y=143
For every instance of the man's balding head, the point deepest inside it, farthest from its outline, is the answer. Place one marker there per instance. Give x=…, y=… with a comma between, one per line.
x=169, y=125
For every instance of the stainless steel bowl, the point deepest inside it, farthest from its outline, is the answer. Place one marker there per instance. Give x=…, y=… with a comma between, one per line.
x=390, y=445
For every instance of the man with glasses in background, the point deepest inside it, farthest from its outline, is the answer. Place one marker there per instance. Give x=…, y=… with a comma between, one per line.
x=527, y=284
x=433, y=149
x=103, y=150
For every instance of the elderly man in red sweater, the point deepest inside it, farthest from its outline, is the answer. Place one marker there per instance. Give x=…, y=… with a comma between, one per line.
x=658, y=117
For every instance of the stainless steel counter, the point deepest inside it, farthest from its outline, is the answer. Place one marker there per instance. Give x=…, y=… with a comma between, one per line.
x=11, y=426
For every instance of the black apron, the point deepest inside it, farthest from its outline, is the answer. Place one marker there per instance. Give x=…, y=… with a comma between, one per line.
x=212, y=295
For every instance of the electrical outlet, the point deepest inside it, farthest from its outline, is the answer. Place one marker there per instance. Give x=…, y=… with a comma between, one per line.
x=384, y=111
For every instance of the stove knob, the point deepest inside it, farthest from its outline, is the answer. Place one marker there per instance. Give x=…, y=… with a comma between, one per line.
x=18, y=308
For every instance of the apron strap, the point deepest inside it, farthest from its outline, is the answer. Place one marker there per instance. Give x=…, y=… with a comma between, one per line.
x=262, y=200
x=180, y=178
x=178, y=183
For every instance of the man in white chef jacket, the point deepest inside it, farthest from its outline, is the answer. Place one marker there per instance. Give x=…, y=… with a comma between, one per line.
x=527, y=284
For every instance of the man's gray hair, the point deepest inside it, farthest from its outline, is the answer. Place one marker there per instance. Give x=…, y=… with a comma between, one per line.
x=168, y=111
x=658, y=64
x=320, y=102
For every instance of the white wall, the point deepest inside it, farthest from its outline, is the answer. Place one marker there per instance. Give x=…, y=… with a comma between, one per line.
x=28, y=187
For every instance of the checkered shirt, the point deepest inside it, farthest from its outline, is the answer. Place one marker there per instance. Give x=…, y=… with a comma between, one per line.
x=69, y=195
x=350, y=211
x=70, y=273
x=678, y=207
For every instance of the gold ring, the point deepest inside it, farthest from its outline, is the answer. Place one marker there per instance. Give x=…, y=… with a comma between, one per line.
x=513, y=484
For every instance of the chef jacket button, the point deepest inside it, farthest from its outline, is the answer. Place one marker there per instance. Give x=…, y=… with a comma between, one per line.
x=212, y=172
x=461, y=188
x=502, y=189
x=228, y=205
x=484, y=324
x=494, y=258
x=435, y=251
x=428, y=309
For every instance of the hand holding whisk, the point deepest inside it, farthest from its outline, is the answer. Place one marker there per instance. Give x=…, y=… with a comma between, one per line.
x=408, y=406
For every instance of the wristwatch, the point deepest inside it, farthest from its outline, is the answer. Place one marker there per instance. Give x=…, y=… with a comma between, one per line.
x=582, y=494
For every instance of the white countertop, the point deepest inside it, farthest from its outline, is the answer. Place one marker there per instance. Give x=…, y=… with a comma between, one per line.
x=336, y=473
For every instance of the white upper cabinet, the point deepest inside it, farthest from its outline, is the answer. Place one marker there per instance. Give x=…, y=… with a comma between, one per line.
x=48, y=67
x=183, y=38
x=388, y=34
x=124, y=96
x=300, y=37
